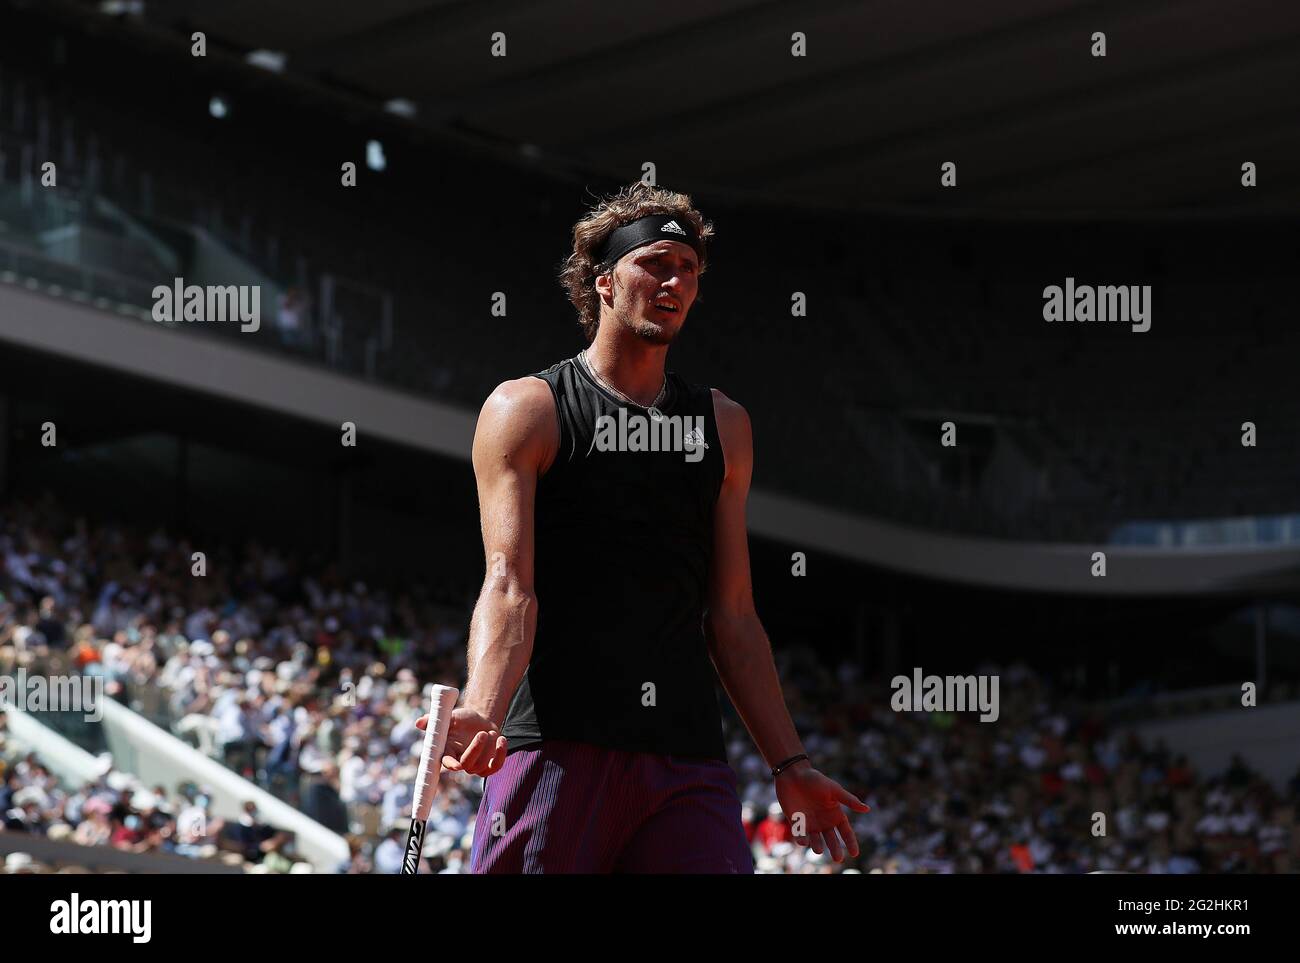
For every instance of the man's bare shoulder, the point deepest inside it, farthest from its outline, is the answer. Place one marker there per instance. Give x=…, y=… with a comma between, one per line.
x=520, y=396
x=734, y=430
x=519, y=417
x=726, y=408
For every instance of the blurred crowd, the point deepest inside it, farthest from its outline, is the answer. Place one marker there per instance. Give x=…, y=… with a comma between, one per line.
x=116, y=810
x=309, y=686
x=303, y=684
x=949, y=793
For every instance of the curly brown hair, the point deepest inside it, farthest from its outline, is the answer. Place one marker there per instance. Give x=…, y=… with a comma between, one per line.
x=579, y=271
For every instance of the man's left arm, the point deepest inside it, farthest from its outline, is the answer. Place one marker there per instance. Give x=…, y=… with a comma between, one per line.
x=742, y=654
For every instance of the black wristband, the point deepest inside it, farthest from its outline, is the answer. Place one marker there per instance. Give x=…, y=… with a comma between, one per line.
x=776, y=770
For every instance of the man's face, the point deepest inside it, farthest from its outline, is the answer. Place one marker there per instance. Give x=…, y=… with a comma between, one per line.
x=665, y=271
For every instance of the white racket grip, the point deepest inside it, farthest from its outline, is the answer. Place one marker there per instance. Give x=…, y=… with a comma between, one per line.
x=435, y=741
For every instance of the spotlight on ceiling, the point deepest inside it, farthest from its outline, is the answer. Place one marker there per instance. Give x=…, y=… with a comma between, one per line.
x=401, y=107
x=272, y=60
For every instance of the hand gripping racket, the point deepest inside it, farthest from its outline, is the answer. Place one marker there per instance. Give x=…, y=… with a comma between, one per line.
x=426, y=779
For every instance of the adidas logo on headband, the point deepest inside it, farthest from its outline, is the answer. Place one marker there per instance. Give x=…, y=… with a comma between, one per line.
x=646, y=230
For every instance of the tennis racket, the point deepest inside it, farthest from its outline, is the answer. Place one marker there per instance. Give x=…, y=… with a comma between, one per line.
x=442, y=702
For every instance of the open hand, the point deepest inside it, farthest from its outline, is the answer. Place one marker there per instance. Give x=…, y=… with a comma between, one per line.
x=814, y=805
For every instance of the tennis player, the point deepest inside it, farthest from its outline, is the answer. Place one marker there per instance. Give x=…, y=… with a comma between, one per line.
x=612, y=496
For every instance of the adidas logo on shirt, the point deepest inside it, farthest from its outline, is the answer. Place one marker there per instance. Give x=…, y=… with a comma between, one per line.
x=657, y=432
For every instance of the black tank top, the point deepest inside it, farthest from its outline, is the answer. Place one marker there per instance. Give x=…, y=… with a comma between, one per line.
x=623, y=537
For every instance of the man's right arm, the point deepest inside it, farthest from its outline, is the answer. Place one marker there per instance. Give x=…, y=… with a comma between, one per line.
x=516, y=440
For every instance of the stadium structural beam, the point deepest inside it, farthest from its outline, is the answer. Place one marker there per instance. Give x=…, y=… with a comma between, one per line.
x=4, y=444
x=1261, y=645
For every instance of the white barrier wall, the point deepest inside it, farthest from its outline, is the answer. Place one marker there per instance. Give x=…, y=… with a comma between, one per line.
x=1266, y=737
x=103, y=859
x=73, y=765
x=157, y=757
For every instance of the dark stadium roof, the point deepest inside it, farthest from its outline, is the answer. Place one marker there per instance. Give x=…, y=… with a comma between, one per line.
x=708, y=91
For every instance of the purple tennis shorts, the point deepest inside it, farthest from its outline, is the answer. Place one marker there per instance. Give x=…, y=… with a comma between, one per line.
x=571, y=807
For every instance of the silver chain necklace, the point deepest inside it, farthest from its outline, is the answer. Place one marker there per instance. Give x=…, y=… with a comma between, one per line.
x=586, y=362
